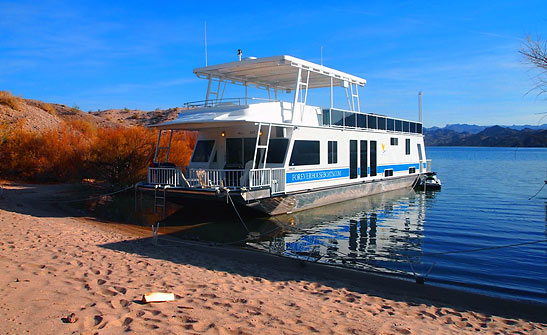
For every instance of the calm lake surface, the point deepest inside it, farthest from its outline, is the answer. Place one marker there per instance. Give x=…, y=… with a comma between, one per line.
x=484, y=204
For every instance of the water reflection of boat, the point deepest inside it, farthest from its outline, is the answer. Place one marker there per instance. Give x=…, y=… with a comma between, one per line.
x=376, y=230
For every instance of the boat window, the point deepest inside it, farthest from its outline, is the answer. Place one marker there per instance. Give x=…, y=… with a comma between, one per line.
x=412, y=170
x=407, y=149
x=388, y=173
x=203, y=151
x=373, y=158
x=337, y=117
x=305, y=153
x=277, y=148
x=390, y=124
x=353, y=168
x=239, y=151
x=398, y=125
x=412, y=127
x=372, y=122
x=234, y=152
x=249, y=144
x=381, y=123
x=326, y=117
x=363, y=155
x=333, y=152
x=406, y=126
x=361, y=121
x=394, y=141
x=349, y=119
x=419, y=128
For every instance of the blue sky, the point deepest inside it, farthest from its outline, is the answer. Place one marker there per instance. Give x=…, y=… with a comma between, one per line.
x=113, y=54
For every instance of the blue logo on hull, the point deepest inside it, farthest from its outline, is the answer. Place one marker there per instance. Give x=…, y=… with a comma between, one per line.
x=296, y=177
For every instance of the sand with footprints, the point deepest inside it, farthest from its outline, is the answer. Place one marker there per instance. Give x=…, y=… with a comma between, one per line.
x=74, y=275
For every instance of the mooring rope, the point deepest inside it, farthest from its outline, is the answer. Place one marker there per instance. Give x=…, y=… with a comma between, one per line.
x=481, y=249
x=542, y=186
x=94, y=197
x=235, y=209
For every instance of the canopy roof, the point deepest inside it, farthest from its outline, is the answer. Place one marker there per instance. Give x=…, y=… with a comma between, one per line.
x=277, y=72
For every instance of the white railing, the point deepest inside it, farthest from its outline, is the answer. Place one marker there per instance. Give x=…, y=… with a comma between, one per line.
x=278, y=181
x=428, y=166
x=259, y=178
x=164, y=176
x=273, y=178
x=215, y=178
x=206, y=178
x=226, y=102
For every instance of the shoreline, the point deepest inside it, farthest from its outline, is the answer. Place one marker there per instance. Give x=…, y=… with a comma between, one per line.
x=63, y=264
x=376, y=282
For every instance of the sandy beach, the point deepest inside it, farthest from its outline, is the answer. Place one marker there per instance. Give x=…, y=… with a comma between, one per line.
x=55, y=264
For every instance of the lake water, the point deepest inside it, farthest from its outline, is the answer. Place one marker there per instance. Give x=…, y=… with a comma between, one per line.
x=484, y=204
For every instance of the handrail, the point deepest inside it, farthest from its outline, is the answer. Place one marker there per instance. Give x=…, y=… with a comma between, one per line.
x=164, y=176
x=233, y=179
x=225, y=101
x=428, y=166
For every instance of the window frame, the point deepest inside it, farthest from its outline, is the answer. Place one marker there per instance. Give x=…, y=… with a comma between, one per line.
x=297, y=143
x=332, y=152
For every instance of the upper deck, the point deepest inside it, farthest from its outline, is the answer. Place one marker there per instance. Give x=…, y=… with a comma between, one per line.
x=277, y=73
x=281, y=74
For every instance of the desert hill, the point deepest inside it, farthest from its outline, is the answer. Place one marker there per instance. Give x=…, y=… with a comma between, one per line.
x=135, y=117
x=37, y=116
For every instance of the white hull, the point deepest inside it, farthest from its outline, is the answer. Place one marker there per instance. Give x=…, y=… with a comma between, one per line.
x=321, y=197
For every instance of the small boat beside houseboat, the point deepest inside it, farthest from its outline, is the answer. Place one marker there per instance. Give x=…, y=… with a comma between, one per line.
x=279, y=156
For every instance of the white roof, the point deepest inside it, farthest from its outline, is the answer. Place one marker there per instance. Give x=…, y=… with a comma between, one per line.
x=278, y=72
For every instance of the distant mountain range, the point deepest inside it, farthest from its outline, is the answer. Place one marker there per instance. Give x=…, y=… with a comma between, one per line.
x=487, y=136
x=474, y=129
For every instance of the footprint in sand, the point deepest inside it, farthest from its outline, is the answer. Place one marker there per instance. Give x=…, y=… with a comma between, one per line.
x=97, y=319
x=202, y=326
x=125, y=303
x=108, y=292
x=120, y=289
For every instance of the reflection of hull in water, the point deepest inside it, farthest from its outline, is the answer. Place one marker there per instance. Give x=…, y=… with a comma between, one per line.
x=373, y=228
x=294, y=202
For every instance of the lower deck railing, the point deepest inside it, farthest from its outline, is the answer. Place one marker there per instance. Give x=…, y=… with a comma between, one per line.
x=164, y=176
x=216, y=178
x=428, y=166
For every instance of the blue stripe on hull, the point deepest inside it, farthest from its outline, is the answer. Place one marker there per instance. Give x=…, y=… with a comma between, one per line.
x=298, y=177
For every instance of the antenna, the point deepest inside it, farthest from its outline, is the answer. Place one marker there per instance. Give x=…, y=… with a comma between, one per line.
x=205, y=31
x=420, y=104
x=321, y=55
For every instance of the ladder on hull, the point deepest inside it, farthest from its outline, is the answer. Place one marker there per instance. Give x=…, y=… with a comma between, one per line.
x=160, y=199
x=261, y=158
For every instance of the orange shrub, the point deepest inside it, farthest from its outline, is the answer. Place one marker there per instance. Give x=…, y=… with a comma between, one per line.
x=80, y=150
x=121, y=155
x=8, y=99
x=48, y=156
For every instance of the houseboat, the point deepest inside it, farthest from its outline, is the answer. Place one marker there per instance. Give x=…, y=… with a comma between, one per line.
x=278, y=154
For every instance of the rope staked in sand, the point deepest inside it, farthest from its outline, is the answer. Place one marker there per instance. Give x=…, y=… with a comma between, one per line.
x=91, y=198
x=55, y=265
